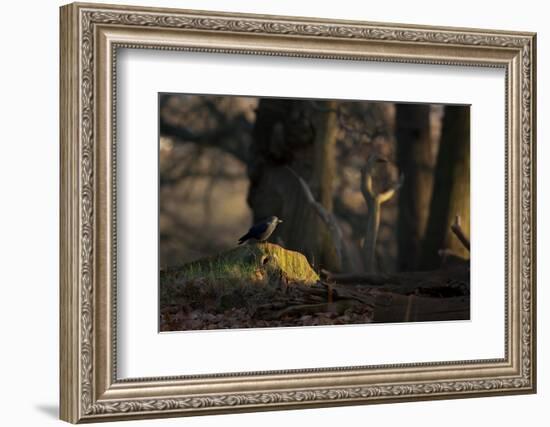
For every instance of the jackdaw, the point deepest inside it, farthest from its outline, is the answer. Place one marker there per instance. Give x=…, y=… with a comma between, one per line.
x=262, y=230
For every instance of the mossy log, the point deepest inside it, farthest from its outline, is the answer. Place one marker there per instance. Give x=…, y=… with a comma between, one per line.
x=258, y=263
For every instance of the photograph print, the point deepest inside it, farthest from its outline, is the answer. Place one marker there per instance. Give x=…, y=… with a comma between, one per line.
x=283, y=212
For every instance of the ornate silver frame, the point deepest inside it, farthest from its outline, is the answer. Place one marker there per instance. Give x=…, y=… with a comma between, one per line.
x=90, y=36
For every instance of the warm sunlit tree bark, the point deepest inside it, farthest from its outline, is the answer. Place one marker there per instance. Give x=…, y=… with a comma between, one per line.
x=451, y=193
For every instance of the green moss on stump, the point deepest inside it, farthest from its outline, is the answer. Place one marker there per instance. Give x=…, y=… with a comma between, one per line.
x=256, y=263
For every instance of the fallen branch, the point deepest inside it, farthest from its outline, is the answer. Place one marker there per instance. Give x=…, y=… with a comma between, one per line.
x=453, y=280
x=412, y=308
x=338, y=307
x=344, y=292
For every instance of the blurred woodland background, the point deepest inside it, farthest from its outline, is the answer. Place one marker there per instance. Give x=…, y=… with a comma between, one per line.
x=229, y=161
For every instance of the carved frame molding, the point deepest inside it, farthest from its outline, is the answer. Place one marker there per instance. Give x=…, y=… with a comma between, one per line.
x=90, y=37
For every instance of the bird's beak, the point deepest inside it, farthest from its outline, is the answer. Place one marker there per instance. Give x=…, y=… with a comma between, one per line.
x=279, y=221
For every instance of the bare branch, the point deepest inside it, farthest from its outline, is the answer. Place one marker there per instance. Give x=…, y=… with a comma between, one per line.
x=388, y=194
x=361, y=131
x=373, y=201
x=459, y=233
x=366, y=176
x=325, y=216
x=221, y=137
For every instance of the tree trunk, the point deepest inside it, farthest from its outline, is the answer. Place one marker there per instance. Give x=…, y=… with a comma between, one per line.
x=324, y=169
x=416, y=162
x=451, y=193
x=300, y=135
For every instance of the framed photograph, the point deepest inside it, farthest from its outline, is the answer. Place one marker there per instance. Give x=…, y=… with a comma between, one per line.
x=266, y=212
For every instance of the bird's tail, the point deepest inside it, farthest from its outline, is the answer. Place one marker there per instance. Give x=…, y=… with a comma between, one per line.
x=244, y=239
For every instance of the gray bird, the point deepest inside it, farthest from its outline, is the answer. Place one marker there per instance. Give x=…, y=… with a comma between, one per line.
x=262, y=230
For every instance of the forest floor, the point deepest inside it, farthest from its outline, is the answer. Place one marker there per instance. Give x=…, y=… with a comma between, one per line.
x=258, y=286
x=199, y=307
